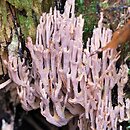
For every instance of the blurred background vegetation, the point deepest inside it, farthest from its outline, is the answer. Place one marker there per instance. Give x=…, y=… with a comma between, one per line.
x=25, y=13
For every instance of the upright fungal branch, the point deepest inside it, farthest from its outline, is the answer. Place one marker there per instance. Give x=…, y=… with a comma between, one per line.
x=64, y=81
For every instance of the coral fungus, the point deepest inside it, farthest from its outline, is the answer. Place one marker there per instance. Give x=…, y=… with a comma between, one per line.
x=63, y=81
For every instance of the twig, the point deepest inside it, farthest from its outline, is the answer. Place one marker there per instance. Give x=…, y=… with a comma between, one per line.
x=5, y=83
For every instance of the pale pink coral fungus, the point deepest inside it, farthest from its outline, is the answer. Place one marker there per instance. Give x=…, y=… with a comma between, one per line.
x=67, y=82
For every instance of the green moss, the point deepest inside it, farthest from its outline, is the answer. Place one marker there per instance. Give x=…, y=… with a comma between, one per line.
x=128, y=128
x=128, y=1
x=47, y=4
x=3, y=12
x=104, y=5
x=27, y=23
x=22, y=4
x=89, y=15
x=129, y=72
x=32, y=11
x=27, y=26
